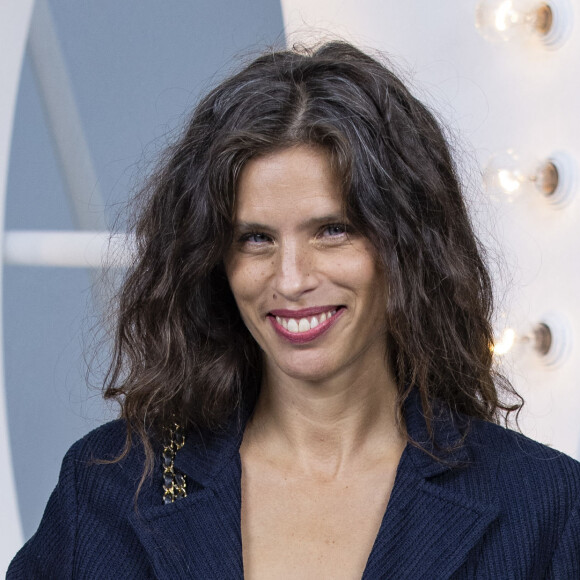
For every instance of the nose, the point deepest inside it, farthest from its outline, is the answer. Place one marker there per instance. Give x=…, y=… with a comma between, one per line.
x=294, y=275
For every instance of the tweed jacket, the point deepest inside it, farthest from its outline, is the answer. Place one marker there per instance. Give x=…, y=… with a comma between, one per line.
x=500, y=507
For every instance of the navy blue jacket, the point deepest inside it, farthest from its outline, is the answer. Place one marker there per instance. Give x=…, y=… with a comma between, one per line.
x=501, y=507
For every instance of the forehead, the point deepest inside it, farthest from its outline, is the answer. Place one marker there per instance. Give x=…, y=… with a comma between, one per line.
x=294, y=179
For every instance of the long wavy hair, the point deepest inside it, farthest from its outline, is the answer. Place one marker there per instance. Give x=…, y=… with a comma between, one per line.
x=181, y=349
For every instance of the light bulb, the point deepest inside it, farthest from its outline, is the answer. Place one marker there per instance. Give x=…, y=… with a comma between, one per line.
x=515, y=20
x=512, y=175
x=550, y=339
x=504, y=342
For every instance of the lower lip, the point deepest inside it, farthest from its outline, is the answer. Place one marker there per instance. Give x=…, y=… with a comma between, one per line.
x=309, y=335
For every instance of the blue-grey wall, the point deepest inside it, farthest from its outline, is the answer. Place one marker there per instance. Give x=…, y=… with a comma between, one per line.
x=135, y=67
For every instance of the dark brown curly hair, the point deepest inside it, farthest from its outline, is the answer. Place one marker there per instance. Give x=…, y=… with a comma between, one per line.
x=181, y=349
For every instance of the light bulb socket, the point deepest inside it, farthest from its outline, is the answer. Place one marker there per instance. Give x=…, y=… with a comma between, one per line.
x=544, y=19
x=557, y=179
x=552, y=338
x=555, y=20
x=542, y=338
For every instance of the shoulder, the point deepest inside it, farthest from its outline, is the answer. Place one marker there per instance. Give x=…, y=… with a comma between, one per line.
x=105, y=445
x=516, y=449
x=86, y=529
x=523, y=468
x=106, y=440
x=100, y=465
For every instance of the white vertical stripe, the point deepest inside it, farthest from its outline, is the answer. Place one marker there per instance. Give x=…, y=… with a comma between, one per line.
x=14, y=23
x=64, y=120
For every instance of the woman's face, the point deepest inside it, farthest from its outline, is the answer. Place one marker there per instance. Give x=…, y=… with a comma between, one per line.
x=308, y=288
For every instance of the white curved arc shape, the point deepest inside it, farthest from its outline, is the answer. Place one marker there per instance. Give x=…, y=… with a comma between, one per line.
x=63, y=119
x=72, y=249
x=14, y=24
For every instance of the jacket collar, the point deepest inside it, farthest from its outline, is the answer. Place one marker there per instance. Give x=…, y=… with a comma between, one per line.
x=427, y=531
x=202, y=458
x=445, y=451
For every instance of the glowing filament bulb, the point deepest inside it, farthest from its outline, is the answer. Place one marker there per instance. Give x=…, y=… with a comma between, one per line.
x=509, y=181
x=507, y=20
x=506, y=16
x=554, y=177
x=505, y=342
x=550, y=340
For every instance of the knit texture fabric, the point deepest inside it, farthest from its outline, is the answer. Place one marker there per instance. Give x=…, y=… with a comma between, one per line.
x=499, y=507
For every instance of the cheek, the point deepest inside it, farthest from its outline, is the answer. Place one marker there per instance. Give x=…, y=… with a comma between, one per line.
x=371, y=272
x=365, y=277
x=247, y=279
x=360, y=270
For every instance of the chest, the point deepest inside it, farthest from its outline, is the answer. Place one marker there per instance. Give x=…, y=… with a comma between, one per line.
x=295, y=527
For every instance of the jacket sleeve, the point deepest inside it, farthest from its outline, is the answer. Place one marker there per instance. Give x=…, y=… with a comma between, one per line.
x=566, y=560
x=49, y=553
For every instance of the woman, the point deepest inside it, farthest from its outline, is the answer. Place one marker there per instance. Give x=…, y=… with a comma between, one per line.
x=310, y=307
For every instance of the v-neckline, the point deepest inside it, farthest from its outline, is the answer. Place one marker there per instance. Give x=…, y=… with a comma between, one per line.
x=383, y=529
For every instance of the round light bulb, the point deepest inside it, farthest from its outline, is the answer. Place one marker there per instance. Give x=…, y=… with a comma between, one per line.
x=511, y=175
x=515, y=20
x=550, y=339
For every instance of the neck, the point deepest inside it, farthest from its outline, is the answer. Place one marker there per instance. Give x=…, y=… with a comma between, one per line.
x=327, y=427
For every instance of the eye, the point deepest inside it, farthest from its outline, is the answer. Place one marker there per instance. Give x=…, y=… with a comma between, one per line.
x=254, y=238
x=334, y=230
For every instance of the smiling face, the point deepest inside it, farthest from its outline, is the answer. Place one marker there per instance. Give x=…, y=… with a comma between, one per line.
x=308, y=288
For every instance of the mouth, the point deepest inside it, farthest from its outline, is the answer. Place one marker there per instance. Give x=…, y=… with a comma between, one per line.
x=304, y=325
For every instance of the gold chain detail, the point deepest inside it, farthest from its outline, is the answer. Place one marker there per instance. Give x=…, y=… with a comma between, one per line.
x=174, y=484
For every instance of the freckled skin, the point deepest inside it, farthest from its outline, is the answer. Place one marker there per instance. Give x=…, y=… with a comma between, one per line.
x=295, y=263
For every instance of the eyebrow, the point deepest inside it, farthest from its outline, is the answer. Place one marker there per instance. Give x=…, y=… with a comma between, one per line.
x=309, y=223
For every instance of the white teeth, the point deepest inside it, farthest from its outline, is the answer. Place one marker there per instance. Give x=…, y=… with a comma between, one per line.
x=292, y=325
x=304, y=324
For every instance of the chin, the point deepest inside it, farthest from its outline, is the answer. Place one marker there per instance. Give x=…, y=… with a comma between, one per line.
x=308, y=370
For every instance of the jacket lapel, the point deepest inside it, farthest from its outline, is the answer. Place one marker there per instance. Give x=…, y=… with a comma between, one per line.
x=199, y=536
x=428, y=530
